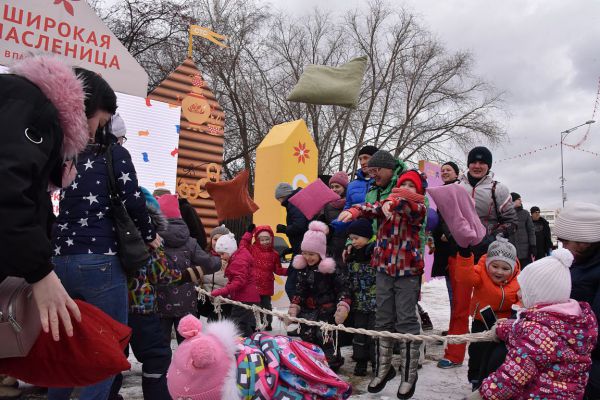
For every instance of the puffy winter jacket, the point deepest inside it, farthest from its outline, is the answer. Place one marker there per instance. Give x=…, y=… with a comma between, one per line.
x=398, y=249
x=548, y=354
x=320, y=286
x=362, y=278
x=266, y=260
x=182, y=252
x=484, y=204
x=357, y=189
x=43, y=123
x=485, y=292
x=524, y=237
x=241, y=279
x=85, y=223
x=585, y=286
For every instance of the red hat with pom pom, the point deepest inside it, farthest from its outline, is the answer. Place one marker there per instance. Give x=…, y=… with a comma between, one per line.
x=203, y=366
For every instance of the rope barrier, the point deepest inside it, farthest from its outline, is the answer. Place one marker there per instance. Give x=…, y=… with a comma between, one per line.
x=327, y=328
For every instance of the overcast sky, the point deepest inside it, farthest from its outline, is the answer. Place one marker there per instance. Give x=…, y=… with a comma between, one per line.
x=545, y=55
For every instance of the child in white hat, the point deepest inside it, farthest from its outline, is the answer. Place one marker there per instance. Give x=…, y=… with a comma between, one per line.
x=550, y=344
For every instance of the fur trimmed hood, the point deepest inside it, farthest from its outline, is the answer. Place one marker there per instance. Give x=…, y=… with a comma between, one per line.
x=326, y=266
x=65, y=90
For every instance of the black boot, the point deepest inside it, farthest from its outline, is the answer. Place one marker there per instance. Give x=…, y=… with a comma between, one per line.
x=409, y=359
x=426, y=323
x=361, y=368
x=384, y=371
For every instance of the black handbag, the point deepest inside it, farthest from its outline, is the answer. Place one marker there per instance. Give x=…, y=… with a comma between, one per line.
x=133, y=251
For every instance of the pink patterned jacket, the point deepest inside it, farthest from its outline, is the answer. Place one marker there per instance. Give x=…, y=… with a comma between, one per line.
x=549, y=353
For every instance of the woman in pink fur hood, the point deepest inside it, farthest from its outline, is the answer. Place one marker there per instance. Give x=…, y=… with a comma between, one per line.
x=322, y=291
x=45, y=124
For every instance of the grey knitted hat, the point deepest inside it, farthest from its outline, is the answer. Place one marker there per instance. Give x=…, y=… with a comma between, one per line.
x=219, y=230
x=382, y=159
x=283, y=190
x=502, y=250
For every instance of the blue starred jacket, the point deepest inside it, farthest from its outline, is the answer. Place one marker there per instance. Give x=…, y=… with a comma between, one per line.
x=84, y=224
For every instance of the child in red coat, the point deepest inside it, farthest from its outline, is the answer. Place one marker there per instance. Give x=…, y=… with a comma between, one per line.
x=266, y=263
x=241, y=283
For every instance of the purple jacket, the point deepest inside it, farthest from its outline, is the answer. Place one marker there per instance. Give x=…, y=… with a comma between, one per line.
x=182, y=251
x=549, y=353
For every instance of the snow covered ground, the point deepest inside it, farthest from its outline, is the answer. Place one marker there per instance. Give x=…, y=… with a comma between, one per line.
x=433, y=384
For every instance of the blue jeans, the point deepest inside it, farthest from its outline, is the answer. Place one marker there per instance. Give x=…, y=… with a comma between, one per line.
x=99, y=280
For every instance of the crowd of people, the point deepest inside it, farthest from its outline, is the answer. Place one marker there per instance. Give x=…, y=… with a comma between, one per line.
x=359, y=262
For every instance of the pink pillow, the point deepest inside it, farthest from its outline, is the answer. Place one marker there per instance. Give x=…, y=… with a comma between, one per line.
x=313, y=198
x=458, y=210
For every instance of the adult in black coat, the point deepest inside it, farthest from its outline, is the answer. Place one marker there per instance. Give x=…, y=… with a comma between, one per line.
x=543, y=235
x=578, y=228
x=295, y=228
x=44, y=126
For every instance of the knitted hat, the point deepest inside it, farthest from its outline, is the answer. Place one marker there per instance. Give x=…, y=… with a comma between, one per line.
x=547, y=280
x=169, y=205
x=370, y=150
x=482, y=154
x=453, y=165
x=219, y=230
x=382, y=159
x=315, y=239
x=150, y=200
x=578, y=222
x=283, y=190
x=226, y=244
x=203, y=366
x=415, y=177
x=117, y=126
x=160, y=191
x=340, y=178
x=502, y=250
x=534, y=209
x=515, y=196
x=361, y=227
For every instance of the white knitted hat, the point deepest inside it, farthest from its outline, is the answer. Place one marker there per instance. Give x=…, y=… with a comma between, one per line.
x=501, y=250
x=117, y=126
x=226, y=244
x=547, y=280
x=579, y=222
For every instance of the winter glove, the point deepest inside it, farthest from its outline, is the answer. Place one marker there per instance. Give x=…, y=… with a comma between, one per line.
x=474, y=396
x=465, y=252
x=251, y=228
x=281, y=228
x=218, y=292
x=532, y=251
x=193, y=275
x=341, y=313
x=293, y=310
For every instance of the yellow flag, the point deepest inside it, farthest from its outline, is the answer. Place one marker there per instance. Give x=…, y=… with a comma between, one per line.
x=197, y=30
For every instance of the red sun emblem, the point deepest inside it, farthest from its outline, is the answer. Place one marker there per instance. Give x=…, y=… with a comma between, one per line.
x=301, y=152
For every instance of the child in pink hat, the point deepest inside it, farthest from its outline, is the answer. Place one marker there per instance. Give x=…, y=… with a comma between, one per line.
x=215, y=363
x=322, y=291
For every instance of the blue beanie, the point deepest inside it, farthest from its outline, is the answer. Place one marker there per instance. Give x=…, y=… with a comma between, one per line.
x=150, y=200
x=361, y=227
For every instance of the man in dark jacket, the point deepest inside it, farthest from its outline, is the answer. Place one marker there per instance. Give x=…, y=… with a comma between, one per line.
x=543, y=235
x=524, y=237
x=296, y=226
x=578, y=228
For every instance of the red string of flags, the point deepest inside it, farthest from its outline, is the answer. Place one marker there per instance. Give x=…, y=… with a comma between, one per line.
x=574, y=147
x=528, y=153
x=589, y=127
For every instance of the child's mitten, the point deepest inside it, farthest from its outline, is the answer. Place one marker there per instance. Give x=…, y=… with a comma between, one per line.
x=341, y=313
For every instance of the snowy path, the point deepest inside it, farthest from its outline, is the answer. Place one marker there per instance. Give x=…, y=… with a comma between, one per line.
x=433, y=384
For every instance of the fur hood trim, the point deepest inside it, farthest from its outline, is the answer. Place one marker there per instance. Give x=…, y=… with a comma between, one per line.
x=62, y=87
x=327, y=266
x=227, y=333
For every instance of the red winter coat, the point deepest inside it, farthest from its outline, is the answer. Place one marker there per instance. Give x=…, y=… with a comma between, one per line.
x=549, y=354
x=266, y=260
x=241, y=283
